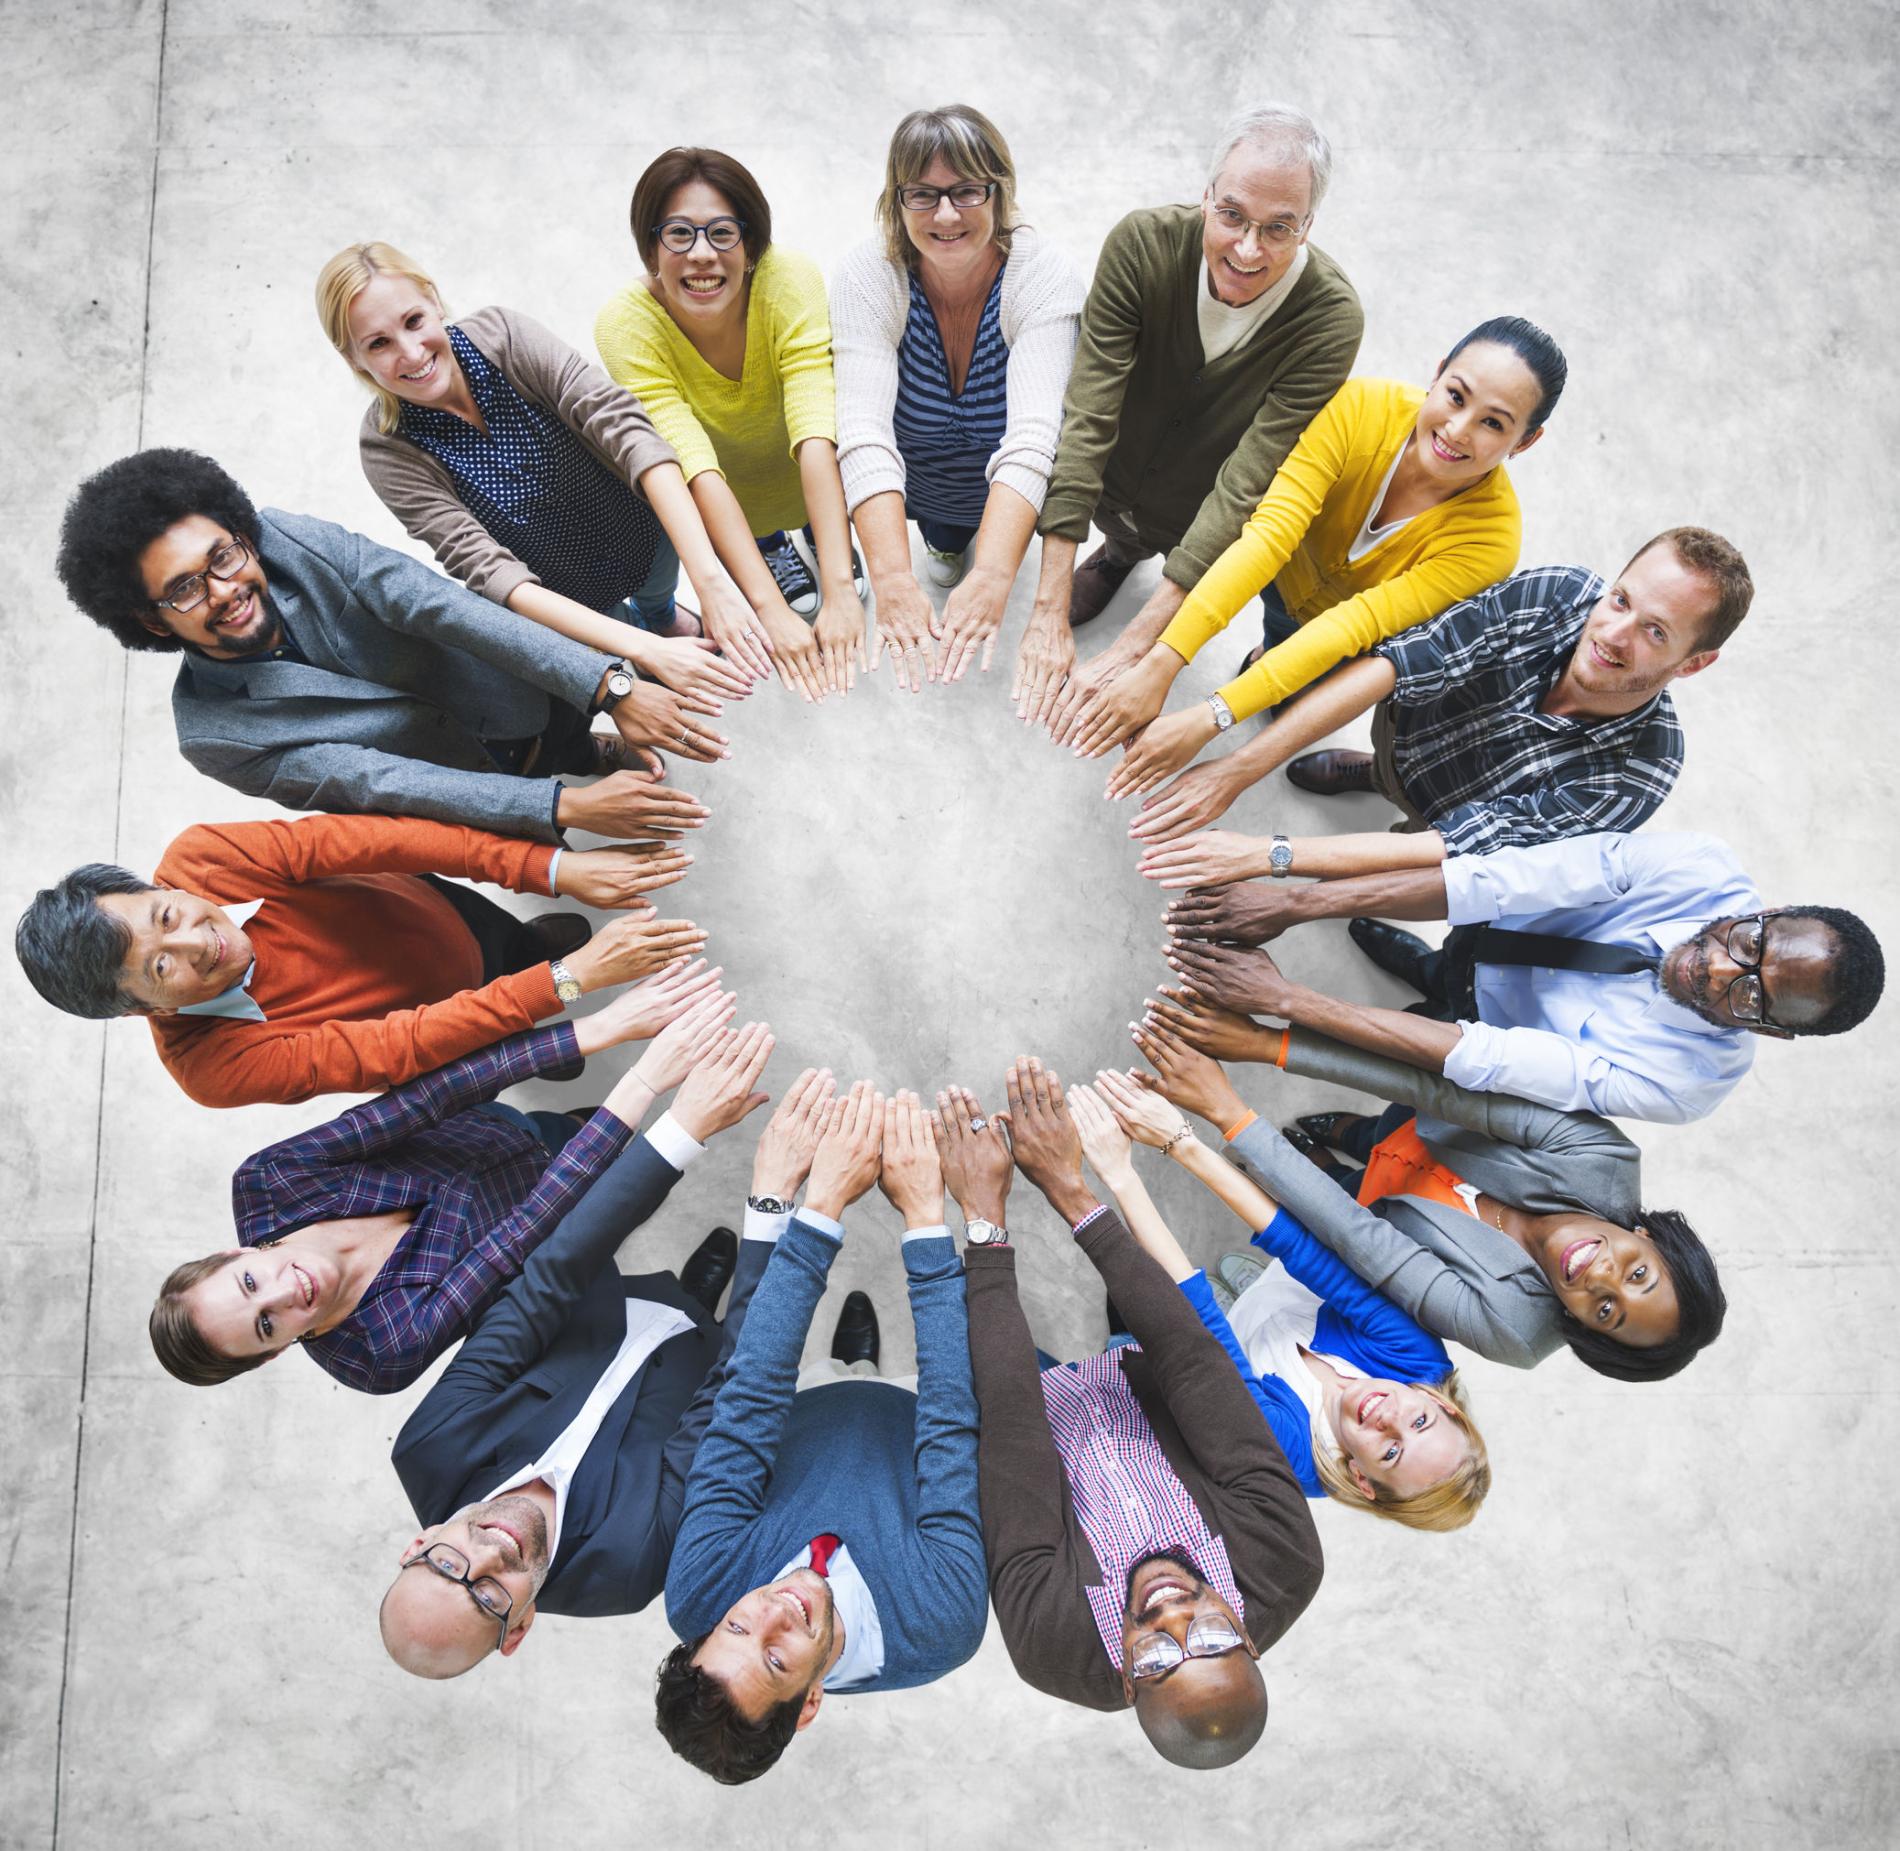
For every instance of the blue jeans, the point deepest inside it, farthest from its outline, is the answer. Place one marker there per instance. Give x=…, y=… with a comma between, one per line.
x=944, y=537
x=1277, y=623
x=552, y=1128
x=651, y=607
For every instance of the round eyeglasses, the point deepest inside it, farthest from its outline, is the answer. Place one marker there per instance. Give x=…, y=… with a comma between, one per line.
x=966, y=195
x=1157, y=1653
x=1275, y=233
x=680, y=235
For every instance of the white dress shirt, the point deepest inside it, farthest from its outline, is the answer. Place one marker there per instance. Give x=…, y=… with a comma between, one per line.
x=1579, y=1039
x=235, y=1002
x=863, y=1654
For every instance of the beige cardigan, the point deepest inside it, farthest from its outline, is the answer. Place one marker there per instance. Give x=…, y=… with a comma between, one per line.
x=421, y=493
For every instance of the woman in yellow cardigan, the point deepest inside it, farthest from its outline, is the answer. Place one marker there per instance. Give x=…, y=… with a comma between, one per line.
x=727, y=343
x=1393, y=505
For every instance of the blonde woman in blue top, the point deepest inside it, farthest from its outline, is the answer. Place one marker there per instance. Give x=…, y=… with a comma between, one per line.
x=1363, y=1400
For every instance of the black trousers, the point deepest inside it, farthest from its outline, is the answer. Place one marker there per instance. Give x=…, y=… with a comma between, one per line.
x=504, y=941
x=1358, y=1144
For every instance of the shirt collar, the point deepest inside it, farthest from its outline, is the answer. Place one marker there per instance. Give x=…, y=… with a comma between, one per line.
x=863, y=1654
x=236, y=1002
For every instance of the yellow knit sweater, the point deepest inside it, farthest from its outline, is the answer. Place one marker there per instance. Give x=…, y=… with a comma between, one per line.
x=748, y=428
x=1303, y=530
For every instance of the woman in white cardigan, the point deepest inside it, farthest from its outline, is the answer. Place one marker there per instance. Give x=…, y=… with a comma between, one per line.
x=952, y=336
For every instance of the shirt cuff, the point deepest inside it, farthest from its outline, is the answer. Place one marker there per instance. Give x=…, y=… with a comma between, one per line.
x=554, y=863
x=673, y=1141
x=823, y=1223
x=1094, y=1214
x=1466, y=900
x=761, y=1226
x=929, y=1233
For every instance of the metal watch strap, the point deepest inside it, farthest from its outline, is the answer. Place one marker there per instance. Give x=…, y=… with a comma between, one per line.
x=769, y=1204
x=566, y=985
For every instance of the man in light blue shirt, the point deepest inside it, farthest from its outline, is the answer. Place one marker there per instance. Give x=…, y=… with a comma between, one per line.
x=1620, y=973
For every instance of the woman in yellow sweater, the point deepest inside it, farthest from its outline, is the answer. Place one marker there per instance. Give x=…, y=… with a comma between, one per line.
x=727, y=343
x=1393, y=505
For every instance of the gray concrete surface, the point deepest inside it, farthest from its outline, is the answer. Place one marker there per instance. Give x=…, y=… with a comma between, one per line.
x=1674, y=1624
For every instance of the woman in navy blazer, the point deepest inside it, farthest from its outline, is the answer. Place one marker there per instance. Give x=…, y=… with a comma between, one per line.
x=1363, y=1400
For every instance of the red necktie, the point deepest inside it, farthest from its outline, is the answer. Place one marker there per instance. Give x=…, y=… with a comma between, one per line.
x=823, y=1548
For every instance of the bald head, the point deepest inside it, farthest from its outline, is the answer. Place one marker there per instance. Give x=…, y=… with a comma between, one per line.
x=1207, y=1712
x=430, y=1627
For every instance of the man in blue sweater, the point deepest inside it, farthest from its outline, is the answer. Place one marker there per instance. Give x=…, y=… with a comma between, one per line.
x=830, y=1540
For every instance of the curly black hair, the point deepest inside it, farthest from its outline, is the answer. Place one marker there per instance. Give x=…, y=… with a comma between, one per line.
x=696, y=1714
x=1699, y=1299
x=115, y=515
x=1857, y=971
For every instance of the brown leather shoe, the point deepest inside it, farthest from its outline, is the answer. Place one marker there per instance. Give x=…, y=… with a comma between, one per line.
x=1094, y=582
x=1331, y=773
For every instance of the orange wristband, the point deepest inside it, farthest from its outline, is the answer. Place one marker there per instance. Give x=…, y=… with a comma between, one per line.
x=1286, y=1041
x=1238, y=1126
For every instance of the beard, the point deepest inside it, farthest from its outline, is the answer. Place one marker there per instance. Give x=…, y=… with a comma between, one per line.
x=1176, y=1556
x=523, y=1516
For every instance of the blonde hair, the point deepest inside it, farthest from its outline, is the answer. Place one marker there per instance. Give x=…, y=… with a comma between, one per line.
x=1448, y=1505
x=973, y=147
x=340, y=282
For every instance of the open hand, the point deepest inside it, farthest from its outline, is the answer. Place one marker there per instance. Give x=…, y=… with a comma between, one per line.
x=1188, y=1077
x=790, y=1139
x=677, y=1046
x=839, y=634
x=634, y=945
x=1124, y=705
x=1199, y=796
x=718, y=1092
x=1208, y=858
x=1047, y=1147
x=904, y=622
x=972, y=618
x=1043, y=660
x=1165, y=746
x=1221, y=1034
x=734, y=629
x=631, y=804
x=1247, y=981
x=977, y=1166
x=794, y=650
x=846, y=1161
x=1250, y=913
x=616, y=877
x=908, y=1170
x=1143, y=1114
x=1104, y=1143
x=655, y=716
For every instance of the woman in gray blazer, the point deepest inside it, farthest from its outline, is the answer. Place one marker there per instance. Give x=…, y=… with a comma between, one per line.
x=1545, y=1240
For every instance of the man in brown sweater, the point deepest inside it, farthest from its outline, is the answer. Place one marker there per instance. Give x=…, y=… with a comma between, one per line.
x=1147, y=1540
x=1211, y=337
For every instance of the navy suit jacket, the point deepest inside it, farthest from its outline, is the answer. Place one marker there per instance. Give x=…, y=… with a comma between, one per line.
x=531, y=1362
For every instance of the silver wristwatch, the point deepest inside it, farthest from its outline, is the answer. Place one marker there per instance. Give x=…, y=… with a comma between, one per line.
x=980, y=1233
x=619, y=684
x=769, y=1204
x=566, y=985
x=1280, y=858
x=1223, y=714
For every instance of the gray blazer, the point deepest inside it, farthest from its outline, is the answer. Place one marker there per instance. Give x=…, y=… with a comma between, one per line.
x=408, y=672
x=1461, y=1278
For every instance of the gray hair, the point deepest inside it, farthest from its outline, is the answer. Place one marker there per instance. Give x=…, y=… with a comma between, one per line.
x=1286, y=131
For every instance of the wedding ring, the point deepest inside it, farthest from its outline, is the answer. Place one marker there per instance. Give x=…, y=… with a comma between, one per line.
x=979, y=1124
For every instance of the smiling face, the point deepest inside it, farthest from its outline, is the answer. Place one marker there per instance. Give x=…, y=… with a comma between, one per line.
x=234, y=618
x=776, y=1643
x=702, y=289
x=398, y=338
x=435, y=1626
x=264, y=1299
x=1398, y=1439
x=184, y=949
x=1477, y=413
x=1795, y=972
x=1610, y=1279
x=1200, y=1710
x=949, y=241
x=1262, y=188
x=1642, y=633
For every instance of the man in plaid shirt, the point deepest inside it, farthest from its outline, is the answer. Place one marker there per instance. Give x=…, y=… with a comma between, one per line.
x=1535, y=711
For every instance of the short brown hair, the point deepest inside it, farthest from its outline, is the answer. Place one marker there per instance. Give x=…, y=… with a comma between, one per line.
x=668, y=172
x=177, y=1341
x=702, y=1724
x=1713, y=558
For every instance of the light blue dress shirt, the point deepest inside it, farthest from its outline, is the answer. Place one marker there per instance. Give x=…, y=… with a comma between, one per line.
x=235, y=1002
x=1578, y=1039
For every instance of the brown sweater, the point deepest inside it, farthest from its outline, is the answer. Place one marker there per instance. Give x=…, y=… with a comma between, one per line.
x=420, y=493
x=1208, y=1426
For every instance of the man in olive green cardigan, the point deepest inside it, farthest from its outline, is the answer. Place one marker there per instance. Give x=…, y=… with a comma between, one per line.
x=1211, y=337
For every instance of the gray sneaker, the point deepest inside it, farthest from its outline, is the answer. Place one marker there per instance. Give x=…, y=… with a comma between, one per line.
x=1239, y=1270
x=945, y=569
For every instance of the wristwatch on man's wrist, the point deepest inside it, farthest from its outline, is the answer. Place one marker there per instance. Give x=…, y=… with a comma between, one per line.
x=769, y=1204
x=620, y=682
x=1223, y=714
x=566, y=985
x=980, y=1233
x=1280, y=858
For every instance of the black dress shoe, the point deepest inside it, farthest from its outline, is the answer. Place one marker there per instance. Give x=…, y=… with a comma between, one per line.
x=855, y=1339
x=709, y=1267
x=558, y=935
x=1093, y=584
x=1327, y=1127
x=1117, y=1324
x=1403, y=955
x=1331, y=773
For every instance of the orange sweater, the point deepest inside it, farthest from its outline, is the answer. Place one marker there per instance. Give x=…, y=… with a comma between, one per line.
x=366, y=976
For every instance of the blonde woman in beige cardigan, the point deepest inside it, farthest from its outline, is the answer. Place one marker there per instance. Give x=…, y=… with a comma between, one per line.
x=537, y=482
x=952, y=336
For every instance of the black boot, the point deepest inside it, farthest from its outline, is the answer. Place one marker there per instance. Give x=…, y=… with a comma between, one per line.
x=855, y=1339
x=709, y=1267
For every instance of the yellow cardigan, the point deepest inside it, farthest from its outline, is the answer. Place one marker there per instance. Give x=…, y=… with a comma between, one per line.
x=1301, y=533
x=748, y=428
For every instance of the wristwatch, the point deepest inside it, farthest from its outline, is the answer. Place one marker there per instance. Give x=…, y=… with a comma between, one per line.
x=769, y=1204
x=566, y=985
x=1280, y=858
x=980, y=1233
x=1223, y=714
x=619, y=684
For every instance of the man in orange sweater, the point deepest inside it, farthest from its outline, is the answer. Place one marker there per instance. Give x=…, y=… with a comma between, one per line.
x=279, y=960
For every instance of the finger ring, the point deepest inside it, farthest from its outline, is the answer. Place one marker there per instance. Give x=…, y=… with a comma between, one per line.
x=979, y=1124
x=685, y=739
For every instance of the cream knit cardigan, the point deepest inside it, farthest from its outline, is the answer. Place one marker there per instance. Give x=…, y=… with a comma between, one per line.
x=870, y=303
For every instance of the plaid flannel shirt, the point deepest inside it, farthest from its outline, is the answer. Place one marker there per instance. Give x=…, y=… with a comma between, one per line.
x=1476, y=757
x=483, y=1190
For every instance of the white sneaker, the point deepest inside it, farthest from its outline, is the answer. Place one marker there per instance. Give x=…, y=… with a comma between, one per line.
x=945, y=569
x=1239, y=1270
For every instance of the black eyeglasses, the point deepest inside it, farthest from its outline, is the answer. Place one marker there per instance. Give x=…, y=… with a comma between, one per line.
x=226, y=562
x=680, y=235
x=966, y=195
x=1156, y=1653
x=1742, y=996
x=491, y=1599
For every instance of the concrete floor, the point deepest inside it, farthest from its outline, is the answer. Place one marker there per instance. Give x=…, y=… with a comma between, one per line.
x=1674, y=1624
